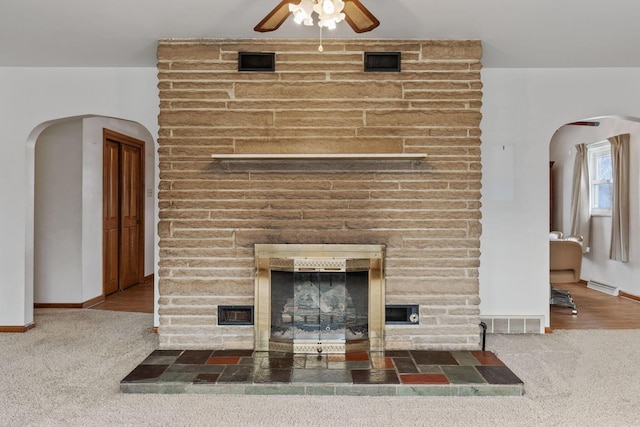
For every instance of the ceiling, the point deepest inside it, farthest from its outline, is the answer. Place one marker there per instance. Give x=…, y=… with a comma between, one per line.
x=514, y=33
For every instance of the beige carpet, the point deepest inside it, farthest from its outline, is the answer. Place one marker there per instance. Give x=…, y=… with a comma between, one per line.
x=66, y=372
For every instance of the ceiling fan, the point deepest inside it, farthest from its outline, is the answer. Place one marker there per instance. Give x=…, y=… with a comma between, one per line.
x=329, y=12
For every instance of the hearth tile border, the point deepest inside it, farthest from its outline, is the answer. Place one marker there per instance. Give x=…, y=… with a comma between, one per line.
x=478, y=374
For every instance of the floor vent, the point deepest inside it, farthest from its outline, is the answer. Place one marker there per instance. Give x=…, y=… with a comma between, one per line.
x=599, y=286
x=513, y=324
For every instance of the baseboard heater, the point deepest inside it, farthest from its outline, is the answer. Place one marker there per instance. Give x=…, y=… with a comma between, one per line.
x=603, y=287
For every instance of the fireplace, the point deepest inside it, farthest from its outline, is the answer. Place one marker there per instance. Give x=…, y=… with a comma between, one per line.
x=319, y=298
x=295, y=178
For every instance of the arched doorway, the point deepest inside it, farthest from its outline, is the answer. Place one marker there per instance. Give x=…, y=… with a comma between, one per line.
x=596, y=265
x=67, y=176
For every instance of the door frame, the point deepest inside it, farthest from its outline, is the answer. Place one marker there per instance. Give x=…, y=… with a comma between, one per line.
x=123, y=139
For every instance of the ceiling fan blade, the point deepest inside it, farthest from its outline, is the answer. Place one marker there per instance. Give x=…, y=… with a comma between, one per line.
x=584, y=123
x=276, y=17
x=359, y=17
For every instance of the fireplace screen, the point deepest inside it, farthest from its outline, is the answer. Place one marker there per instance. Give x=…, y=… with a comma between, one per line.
x=319, y=306
x=319, y=298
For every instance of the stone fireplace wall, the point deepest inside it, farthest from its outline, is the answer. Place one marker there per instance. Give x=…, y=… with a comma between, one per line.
x=426, y=212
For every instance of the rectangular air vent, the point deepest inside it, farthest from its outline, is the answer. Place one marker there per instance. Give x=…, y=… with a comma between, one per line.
x=235, y=315
x=256, y=61
x=402, y=314
x=382, y=61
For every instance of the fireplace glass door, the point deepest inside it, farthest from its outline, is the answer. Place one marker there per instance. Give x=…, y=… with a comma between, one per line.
x=319, y=310
x=320, y=306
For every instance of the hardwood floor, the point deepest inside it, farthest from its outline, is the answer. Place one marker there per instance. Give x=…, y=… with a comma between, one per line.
x=138, y=299
x=596, y=310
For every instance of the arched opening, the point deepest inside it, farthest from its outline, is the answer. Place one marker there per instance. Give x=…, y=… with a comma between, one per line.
x=596, y=265
x=64, y=208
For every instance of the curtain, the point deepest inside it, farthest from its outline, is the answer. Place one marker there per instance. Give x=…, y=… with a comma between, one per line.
x=580, y=215
x=619, y=249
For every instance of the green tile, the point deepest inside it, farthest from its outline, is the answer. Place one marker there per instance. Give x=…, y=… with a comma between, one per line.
x=281, y=376
x=320, y=390
x=465, y=358
x=463, y=375
x=138, y=388
x=428, y=390
x=171, y=388
x=321, y=376
x=360, y=364
x=430, y=369
x=373, y=390
x=236, y=374
x=219, y=389
x=275, y=389
x=281, y=363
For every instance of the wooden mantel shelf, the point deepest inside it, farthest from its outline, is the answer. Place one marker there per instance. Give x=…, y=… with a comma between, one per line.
x=385, y=156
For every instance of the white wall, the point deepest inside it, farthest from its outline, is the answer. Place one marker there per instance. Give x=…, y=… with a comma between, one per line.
x=31, y=99
x=58, y=214
x=596, y=264
x=522, y=108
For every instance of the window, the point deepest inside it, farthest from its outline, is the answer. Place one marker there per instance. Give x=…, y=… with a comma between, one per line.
x=600, y=173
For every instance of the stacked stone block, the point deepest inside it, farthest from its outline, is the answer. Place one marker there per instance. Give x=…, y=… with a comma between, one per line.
x=426, y=212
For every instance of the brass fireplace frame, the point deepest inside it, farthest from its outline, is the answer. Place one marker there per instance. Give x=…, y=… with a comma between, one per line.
x=270, y=255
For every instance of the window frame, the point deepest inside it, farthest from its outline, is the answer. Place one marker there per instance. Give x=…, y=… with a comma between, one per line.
x=594, y=151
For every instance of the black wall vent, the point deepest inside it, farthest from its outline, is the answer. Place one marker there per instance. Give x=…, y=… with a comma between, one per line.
x=382, y=61
x=235, y=315
x=402, y=314
x=256, y=61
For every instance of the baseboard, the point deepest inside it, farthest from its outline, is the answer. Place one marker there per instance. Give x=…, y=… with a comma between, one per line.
x=620, y=293
x=149, y=278
x=17, y=329
x=86, y=304
x=57, y=305
x=629, y=296
x=94, y=301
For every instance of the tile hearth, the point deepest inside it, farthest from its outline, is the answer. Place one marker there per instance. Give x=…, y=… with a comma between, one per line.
x=392, y=373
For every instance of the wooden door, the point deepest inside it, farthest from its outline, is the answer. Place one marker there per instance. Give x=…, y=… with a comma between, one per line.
x=130, y=219
x=123, y=219
x=111, y=217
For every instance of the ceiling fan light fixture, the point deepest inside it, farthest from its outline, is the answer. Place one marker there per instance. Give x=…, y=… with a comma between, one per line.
x=328, y=7
x=329, y=13
x=302, y=12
